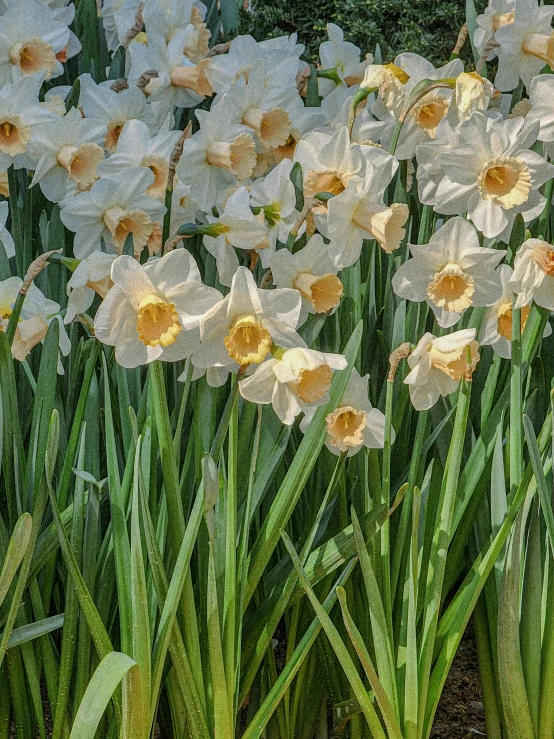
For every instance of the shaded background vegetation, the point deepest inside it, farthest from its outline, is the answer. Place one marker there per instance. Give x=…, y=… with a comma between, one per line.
x=426, y=27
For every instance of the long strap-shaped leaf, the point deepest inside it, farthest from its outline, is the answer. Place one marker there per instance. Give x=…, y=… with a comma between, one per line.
x=356, y=683
x=17, y=547
x=107, y=676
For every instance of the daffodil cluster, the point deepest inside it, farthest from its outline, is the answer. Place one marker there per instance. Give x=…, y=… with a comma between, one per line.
x=282, y=177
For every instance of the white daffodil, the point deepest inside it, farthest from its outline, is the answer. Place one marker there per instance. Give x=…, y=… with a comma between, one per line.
x=541, y=101
x=168, y=18
x=179, y=81
x=91, y=277
x=423, y=117
x=118, y=17
x=5, y=235
x=34, y=38
x=355, y=423
x=67, y=150
x=312, y=273
x=137, y=148
x=281, y=56
x=533, y=277
x=249, y=323
x=20, y=116
x=493, y=175
x=360, y=213
x=153, y=310
x=329, y=162
x=262, y=109
x=498, y=13
x=343, y=57
x=525, y=45
x=451, y=273
x=37, y=314
x=113, y=109
x=216, y=157
x=236, y=228
x=113, y=208
x=438, y=364
x=496, y=330
x=275, y=195
x=292, y=381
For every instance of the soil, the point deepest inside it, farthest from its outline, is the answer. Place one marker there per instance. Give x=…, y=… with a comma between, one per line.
x=460, y=714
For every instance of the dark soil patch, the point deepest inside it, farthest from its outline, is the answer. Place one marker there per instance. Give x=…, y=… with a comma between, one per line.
x=460, y=713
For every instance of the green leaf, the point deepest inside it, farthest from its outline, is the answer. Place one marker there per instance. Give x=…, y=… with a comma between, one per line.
x=17, y=548
x=107, y=676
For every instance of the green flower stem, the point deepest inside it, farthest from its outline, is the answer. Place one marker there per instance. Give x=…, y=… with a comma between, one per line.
x=384, y=534
x=516, y=404
x=440, y=544
x=396, y=135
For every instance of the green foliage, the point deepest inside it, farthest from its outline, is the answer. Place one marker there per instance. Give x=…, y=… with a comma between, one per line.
x=426, y=27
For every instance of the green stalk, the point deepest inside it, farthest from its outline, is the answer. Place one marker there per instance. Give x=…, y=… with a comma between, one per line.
x=230, y=599
x=516, y=405
x=384, y=534
x=440, y=544
x=396, y=135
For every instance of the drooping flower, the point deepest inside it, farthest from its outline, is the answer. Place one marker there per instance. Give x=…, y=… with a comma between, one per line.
x=91, y=277
x=275, y=195
x=292, y=381
x=153, y=310
x=533, y=277
x=37, y=314
x=355, y=423
x=112, y=209
x=342, y=57
x=498, y=13
x=245, y=326
x=438, y=364
x=311, y=272
x=496, y=330
x=451, y=273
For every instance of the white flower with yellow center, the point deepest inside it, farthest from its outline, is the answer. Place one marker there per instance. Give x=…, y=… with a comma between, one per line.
x=114, y=208
x=451, y=273
x=113, y=109
x=360, y=213
x=496, y=330
x=262, y=109
x=492, y=174
x=153, y=310
x=533, y=277
x=236, y=228
x=20, y=117
x=312, y=273
x=37, y=314
x=499, y=13
x=292, y=380
x=243, y=328
x=67, y=150
x=34, y=38
x=5, y=236
x=137, y=148
x=438, y=364
x=91, y=277
x=424, y=117
x=216, y=157
x=355, y=423
x=525, y=45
